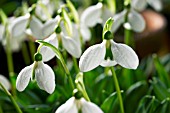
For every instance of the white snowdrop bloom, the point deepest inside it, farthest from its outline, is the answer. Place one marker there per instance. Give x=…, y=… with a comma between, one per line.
x=16, y=27
x=89, y=18
x=135, y=19
x=95, y=56
x=41, y=10
x=71, y=43
x=47, y=53
x=5, y=82
x=40, y=30
x=74, y=105
x=140, y=5
x=44, y=76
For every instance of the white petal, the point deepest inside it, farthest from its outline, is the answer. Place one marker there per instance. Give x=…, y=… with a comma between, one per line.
x=76, y=35
x=139, y=5
x=49, y=27
x=136, y=21
x=46, y=52
x=124, y=55
x=108, y=63
x=68, y=107
x=15, y=44
x=45, y=77
x=23, y=78
x=91, y=15
x=71, y=45
x=5, y=82
x=85, y=32
x=89, y=107
x=36, y=28
x=118, y=20
x=156, y=4
x=106, y=13
x=19, y=25
x=92, y=57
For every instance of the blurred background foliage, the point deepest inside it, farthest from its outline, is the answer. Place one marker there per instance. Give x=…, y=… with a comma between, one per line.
x=145, y=90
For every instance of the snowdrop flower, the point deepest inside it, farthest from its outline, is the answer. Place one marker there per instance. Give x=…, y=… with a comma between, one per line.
x=40, y=30
x=89, y=18
x=74, y=105
x=41, y=10
x=5, y=82
x=95, y=56
x=46, y=52
x=43, y=73
x=135, y=19
x=140, y=5
x=16, y=27
x=71, y=43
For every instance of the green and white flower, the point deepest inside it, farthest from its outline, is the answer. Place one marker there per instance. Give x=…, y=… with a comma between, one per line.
x=74, y=105
x=95, y=56
x=43, y=73
x=16, y=29
x=135, y=20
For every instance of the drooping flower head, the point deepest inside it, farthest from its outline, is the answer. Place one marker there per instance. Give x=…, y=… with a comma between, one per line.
x=96, y=55
x=42, y=73
x=78, y=104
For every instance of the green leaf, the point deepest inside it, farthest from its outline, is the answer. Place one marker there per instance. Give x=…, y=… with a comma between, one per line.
x=110, y=104
x=159, y=89
x=73, y=11
x=148, y=104
x=164, y=106
x=163, y=75
x=134, y=94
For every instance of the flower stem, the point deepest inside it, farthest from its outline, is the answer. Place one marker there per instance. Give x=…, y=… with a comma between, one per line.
x=76, y=65
x=25, y=54
x=117, y=89
x=9, y=55
x=129, y=40
x=11, y=98
x=32, y=49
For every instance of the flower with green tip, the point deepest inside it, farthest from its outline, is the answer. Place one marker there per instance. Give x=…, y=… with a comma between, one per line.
x=43, y=74
x=74, y=105
x=95, y=56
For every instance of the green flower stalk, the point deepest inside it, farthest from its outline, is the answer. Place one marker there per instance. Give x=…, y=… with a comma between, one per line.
x=11, y=98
